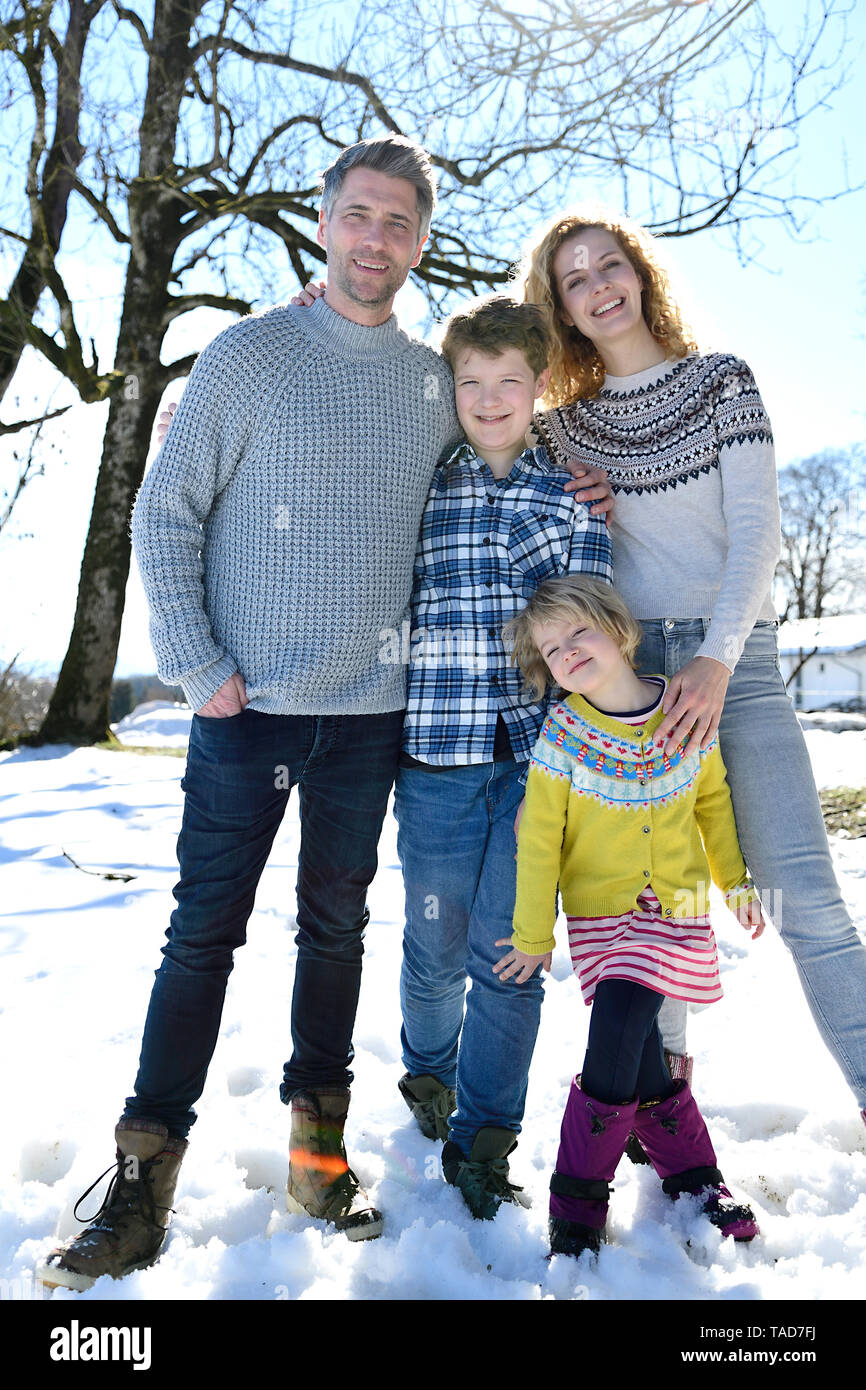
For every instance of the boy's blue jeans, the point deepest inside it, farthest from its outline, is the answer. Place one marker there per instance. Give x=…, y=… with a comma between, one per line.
x=782, y=837
x=237, y=781
x=456, y=846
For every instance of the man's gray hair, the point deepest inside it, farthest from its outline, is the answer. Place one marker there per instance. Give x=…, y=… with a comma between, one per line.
x=394, y=155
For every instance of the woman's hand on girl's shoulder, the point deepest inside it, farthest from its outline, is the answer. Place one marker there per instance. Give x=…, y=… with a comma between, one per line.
x=693, y=705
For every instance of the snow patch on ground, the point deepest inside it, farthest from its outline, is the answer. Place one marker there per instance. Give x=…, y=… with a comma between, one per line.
x=79, y=953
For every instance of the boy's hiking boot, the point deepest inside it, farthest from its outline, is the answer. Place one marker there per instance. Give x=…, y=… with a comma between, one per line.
x=483, y=1177
x=321, y=1183
x=128, y=1230
x=431, y=1102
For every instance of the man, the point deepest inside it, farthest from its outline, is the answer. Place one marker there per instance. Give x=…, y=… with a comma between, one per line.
x=275, y=534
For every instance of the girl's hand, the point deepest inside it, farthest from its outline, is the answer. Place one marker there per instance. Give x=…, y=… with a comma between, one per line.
x=519, y=964
x=749, y=916
x=591, y=485
x=693, y=705
x=312, y=291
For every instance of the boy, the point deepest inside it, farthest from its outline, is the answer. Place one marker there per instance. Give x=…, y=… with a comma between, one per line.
x=497, y=522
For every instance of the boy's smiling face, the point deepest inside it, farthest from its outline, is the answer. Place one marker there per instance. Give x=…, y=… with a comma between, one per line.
x=495, y=402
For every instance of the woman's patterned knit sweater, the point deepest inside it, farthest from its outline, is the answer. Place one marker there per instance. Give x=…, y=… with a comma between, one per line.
x=689, y=453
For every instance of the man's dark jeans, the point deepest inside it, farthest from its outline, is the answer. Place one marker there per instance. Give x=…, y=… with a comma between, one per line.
x=238, y=776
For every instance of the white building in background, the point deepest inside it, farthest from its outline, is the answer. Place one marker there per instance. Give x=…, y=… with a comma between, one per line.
x=834, y=674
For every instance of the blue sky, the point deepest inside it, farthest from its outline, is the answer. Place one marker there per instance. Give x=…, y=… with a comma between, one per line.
x=796, y=313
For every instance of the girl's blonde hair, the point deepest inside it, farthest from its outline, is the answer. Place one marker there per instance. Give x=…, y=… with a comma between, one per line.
x=576, y=369
x=571, y=596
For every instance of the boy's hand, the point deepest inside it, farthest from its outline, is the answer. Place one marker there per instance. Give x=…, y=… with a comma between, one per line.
x=749, y=915
x=591, y=485
x=518, y=964
x=312, y=291
x=165, y=418
x=517, y=820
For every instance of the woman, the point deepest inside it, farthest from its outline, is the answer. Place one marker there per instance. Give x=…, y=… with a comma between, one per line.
x=688, y=450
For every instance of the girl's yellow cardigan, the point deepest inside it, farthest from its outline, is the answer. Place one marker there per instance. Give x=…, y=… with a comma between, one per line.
x=608, y=814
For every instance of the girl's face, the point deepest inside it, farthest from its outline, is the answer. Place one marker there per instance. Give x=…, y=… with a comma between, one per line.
x=581, y=658
x=598, y=287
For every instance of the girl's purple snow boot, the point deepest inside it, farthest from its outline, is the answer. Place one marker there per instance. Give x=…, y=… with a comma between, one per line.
x=677, y=1142
x=592, y=1141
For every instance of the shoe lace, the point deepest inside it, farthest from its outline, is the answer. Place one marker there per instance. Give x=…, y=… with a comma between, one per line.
x=123, y=1195
x=490, y=1178
x=442, y=1104
x=598, y=1125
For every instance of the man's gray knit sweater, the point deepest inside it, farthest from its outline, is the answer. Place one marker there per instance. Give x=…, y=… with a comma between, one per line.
x=275, y=531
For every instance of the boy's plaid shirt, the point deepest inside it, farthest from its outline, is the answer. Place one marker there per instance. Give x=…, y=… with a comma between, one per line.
x=485, y=546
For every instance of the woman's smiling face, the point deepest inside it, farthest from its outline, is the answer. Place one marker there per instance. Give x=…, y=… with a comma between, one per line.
x=598, y=287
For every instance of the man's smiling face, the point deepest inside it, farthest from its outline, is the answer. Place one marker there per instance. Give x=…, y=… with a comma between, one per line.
x=372, y=240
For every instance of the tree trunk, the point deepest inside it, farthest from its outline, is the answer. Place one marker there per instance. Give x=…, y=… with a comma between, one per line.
x=79, y=708
x=78, y=712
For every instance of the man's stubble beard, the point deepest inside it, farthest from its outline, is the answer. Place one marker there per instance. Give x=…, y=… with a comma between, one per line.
x=361, y=292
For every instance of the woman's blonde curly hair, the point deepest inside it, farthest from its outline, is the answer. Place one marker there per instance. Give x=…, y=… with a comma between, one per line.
x=576, y=369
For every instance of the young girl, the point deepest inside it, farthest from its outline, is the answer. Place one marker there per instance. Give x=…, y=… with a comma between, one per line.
x=631, y=834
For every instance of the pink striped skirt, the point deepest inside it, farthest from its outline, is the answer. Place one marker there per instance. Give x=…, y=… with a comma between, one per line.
x=676, y=957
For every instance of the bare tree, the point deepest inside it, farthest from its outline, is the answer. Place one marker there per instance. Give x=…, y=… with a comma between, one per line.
x=28, y=461
x=822, y=568
x=53, y=157
x=238, y=106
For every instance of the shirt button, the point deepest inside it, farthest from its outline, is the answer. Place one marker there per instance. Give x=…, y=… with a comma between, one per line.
x=491, y=632
x=486, y=540
x=489, y=583
x=490, y=499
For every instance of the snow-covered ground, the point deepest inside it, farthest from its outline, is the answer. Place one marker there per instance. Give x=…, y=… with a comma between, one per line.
x=79, y=953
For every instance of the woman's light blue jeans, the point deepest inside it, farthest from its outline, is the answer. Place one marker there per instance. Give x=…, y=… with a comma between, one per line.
x=782, y=836
x=456, y=846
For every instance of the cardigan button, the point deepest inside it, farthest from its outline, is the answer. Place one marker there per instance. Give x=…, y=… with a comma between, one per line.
x=645, y=829
x=646, y=873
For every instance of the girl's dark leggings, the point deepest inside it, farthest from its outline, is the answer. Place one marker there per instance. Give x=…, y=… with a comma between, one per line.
x=624, y=1055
